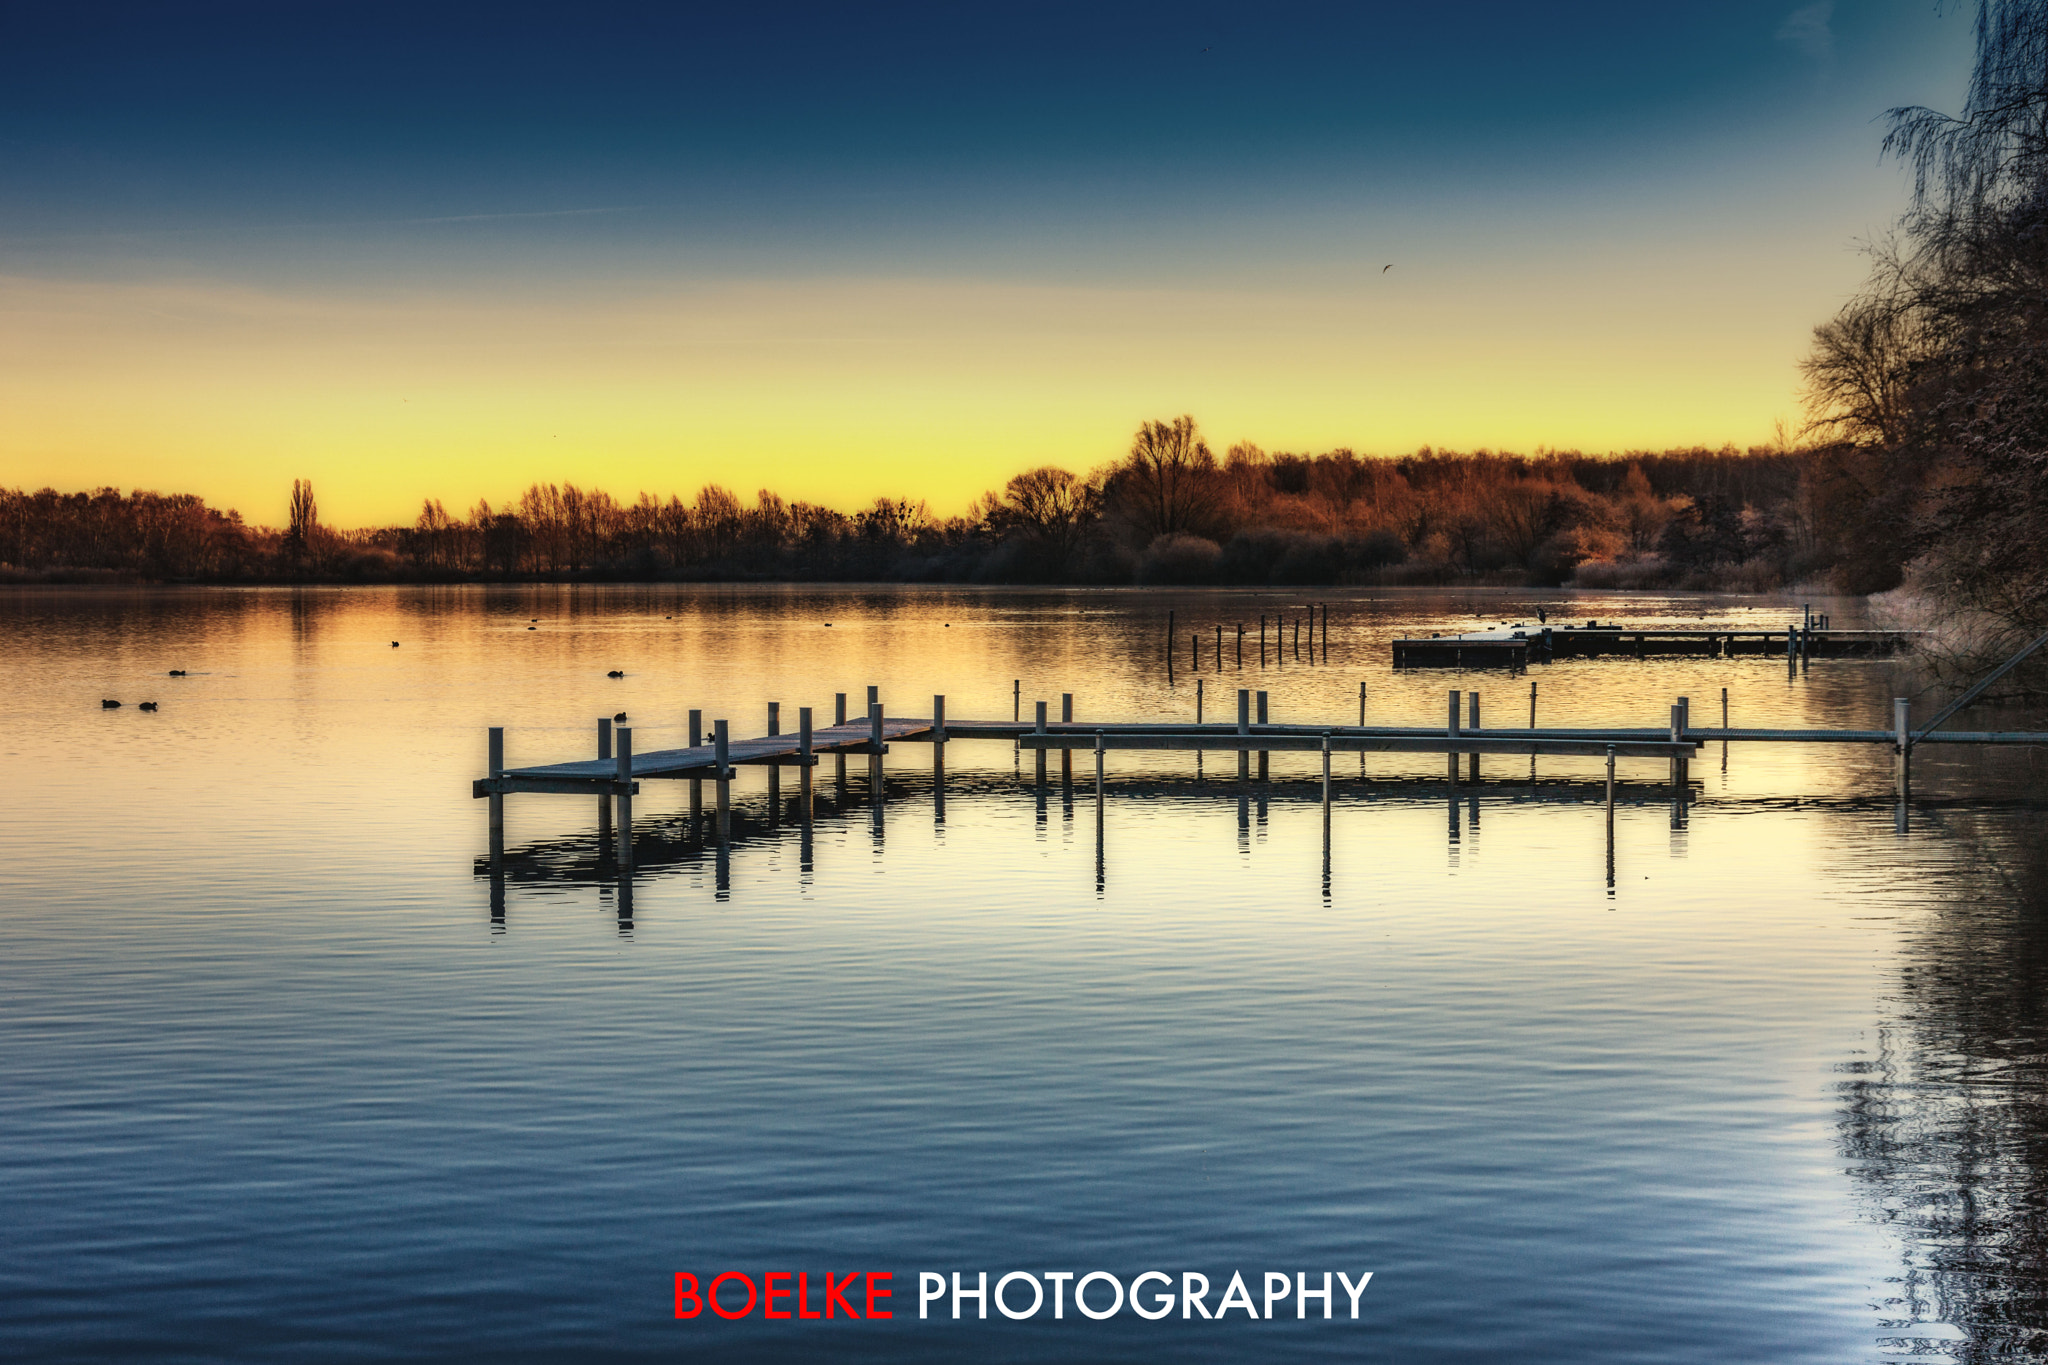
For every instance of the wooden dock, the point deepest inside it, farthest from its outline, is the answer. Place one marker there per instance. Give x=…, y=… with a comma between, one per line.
x=1517, y=646
x=614, y=775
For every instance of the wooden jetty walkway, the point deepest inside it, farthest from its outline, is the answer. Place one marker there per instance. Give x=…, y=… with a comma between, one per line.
x=616, y=771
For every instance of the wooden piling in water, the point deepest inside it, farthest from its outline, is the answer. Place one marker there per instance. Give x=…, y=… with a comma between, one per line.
x=1041, y=752
x=1532, y=704
x=1262, y=753
x=875, y=735
x=1017, y=700
x=1067, y=755
x=625, y=762
x=1472, y=723
x=1240, y=644
x=939, y=757
x=804, y=761
x=1198, y=701
x=774, y=771
x=1451, y=730
x=1903, y=745
x=1244, y=727
x=604, y=803
x=721, y=739
x=696, y=783
x=839, y=759
x=496, y=736
x=1219, y=647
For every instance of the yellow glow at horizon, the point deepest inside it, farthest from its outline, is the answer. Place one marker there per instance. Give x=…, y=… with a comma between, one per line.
x=839, y=390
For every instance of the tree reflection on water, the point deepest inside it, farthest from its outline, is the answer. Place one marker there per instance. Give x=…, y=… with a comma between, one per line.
x=1946, y=1121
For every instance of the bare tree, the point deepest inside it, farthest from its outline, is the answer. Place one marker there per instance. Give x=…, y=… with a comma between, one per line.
x=1866, y=359
x=1050, y=503
x=302, y=521
x=1168, y=484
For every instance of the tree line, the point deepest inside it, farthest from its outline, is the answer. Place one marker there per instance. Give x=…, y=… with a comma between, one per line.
x=1169, y=511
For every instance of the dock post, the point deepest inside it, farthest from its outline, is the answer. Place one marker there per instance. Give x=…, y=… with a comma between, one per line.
x=1681, y=767
x=1169, y=642
x=938, y=759
x=1262, y=640
x=1532, y=703
x=877, y=793
x=1219, y=647
x=1472, y=722
x=875, y=733
x=1262, y=721
x=1326, y=774
x=839, y=755
x=625, y=762
x=1067, y=755
x=721, y=740
x=1326, y=632
x=1724, y=716
x=774, y=769
x=1017, y=700
x=1041, y=752
x=696, y=783
x=604, y=803
x=1198, y=701
x=1610, y=819
x=1240, y=644
x=1244, y=727
x=1452, y=732
x=804, y=761
x=1100, y=868
x=1903, y=745
x=1361, y=706
x=496, y=735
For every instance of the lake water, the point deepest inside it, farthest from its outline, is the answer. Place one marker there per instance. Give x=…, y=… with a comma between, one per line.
x=283, y=1075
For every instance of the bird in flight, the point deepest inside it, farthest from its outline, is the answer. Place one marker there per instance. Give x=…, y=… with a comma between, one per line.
x=1385, y=268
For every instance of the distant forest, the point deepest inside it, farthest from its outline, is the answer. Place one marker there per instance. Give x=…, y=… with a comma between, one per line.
x=1169, y=512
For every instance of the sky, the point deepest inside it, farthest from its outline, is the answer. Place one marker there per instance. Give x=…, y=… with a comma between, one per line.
x=845, y=252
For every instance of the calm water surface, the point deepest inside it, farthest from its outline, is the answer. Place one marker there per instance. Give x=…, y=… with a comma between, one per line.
x=286, y=1077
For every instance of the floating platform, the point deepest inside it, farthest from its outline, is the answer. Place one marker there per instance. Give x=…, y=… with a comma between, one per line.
x=1517, y=646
